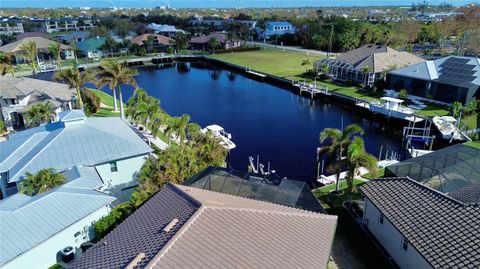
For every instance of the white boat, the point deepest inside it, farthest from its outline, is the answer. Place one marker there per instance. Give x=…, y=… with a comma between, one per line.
x=448, y=129
x=219, y=133
x=392, y=107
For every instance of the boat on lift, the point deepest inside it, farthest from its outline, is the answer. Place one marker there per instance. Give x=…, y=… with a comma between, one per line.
x=218, y=132
x=392, y=107
x=448, y=128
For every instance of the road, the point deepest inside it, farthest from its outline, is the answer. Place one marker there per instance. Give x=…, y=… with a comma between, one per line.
x=314, y=52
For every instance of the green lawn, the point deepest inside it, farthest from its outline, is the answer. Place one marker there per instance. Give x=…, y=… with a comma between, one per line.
x=106, y=99
x=331, y=201
x=284, y=64
x=472, y=121
x=474, y=144
x=433, y=110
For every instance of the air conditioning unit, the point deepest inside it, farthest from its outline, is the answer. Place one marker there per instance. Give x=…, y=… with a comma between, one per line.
x=67, y=254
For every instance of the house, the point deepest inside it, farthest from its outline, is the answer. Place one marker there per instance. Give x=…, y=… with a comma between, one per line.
x=164, y=29
x=19, y=94
x=159, y=42
x=68, y=24
x=186, y=227
x=283, y=191
x=448, y=79
x=108, y=144
x=420, y=227
x=43, y=52
x=35, y=229
x=30, y=34
x=10, y=28
x=275, y=28
x=366, y=64
x=202, y=42
x=91, y=47
x=76, y=36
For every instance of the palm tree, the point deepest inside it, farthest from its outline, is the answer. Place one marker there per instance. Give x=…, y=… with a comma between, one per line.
x=214, y=43
x=73, y=45
x=357, y=157
x=307, y=63
x=6, y=63
x=39, y=114
x=56, y=51
x=182, y=123
x=75, y=80
x=31, y=49
x=338, y=142
x=114, y=74
x=43, y=181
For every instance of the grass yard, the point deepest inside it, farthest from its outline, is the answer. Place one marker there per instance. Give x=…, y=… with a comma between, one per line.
x=332, y=201
x=473, y=144
x=284, y=64
x=472, y=121
x=106, y=99
x=433, y=110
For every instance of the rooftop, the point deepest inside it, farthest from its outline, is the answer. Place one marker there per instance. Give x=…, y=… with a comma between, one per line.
x=442, y=229
x=140, y=40
x=42, y=44
x=185, y=227
x=90, y=44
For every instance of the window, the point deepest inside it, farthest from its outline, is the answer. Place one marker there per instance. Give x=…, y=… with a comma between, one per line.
x=380, y=219
x=113, y=167
x=405, y=244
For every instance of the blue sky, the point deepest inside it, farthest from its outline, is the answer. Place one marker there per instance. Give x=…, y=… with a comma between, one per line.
x=215, y=3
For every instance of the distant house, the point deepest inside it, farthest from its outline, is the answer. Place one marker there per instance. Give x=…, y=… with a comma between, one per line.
x=447, y=79
x=42, y=49
x=164, y=29
x=108, y=144
x=35, y=229
x=423, y=228
x=159, y=42
x=275, y=28
x=68, y=24
x=91, y=47
x=30, y=34
x=73, y=36
x=186, y=227
x=202, y=42
x=10, y=28
x=19, y=94
x=366, y=64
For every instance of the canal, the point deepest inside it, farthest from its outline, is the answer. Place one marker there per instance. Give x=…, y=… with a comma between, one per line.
x=279, y=125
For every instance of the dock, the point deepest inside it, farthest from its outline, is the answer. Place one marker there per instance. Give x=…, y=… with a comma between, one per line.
x=255, y=73
x=311, y=89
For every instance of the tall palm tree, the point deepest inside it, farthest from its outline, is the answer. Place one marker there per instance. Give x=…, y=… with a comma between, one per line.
x=39, y=114
x=114, y=74
x=6, y=64
x=181, y=126
x=357, y=157
x=76, y=80
x=214, y=43
x=338, y=142
x=31, y=49
x=43, y=181
x=73, y=45
x=307, y=63
x=56, y=51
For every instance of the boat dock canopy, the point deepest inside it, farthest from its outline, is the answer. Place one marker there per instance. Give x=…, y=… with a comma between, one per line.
x=391, y=99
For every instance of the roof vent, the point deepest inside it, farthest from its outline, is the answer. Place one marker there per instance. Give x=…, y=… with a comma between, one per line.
x=135, y=260
x=170, y=225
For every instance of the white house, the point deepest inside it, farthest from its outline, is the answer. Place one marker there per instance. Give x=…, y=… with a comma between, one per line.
x=35, y=229
x=108, y=144
x=18, y=94
x=420, y=227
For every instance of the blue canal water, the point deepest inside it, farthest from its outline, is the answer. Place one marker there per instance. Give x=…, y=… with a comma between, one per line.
x=279, y=125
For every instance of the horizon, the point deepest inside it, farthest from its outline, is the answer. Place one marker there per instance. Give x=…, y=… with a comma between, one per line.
x=219, y=4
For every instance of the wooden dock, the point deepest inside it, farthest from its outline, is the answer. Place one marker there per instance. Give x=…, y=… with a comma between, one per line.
x=311, y=89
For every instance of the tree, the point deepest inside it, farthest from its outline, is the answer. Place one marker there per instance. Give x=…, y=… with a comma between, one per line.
x=44, y=180
x=181, y=41
x=55, y=50
x=338, y=142
x=214, y=43
x=306, y=63
x=403, y=94
x=75, y=80
x=6, y=63
x=149, y=43
x=114, y=74
x=91, y=102
x=456, y=107
x=39, y=114
x=357, y=157
x=30, y=49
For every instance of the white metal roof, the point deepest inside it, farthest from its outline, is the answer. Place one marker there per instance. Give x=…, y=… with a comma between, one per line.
x=391, y=99
x=214, y=128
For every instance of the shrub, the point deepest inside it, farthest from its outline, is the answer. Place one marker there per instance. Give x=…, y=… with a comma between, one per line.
x=44, y=180
x=403, y=94
x=110, y=221
x=91, y=102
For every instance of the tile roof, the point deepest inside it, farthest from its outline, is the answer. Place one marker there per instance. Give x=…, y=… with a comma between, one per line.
x=141, y=39
x=14, y=87
x=62, y=145
x=28, y=221
x=42, y=44
x=205, y=39
x=443, y=230
x=215, y=230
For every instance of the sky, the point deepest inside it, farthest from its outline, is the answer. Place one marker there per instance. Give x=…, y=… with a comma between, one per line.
x=217, y=3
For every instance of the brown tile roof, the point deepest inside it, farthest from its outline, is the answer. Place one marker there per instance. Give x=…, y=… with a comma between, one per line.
x=42, y=44
x=205, y=39
x=161, y=39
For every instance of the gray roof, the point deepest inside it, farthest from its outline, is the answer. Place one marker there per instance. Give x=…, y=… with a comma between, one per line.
x=28, y=221
x=452, y=70
x=214, y=230
x=40, y=90
x=41, y=42
x=62, y=145
x=445, y=231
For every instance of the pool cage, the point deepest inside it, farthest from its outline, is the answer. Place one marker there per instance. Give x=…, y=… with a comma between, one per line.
x=446, y=170
x=271, y=188
x=342, y=71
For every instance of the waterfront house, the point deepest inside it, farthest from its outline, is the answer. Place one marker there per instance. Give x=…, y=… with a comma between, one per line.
x=202, y=42
x=448, y=79
x=35, y=229
x=186, y=227
x=275, y=28
x=76, y=36
x=42, y=49
x=19, y=94
x=420, y=227
x=91, y=47
x=158, y=43
x=283, y=191
x=366, y=64
x=108, y=144
x=164, y=29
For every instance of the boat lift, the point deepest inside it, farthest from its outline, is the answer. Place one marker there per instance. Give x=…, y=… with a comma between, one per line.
x=413, y=134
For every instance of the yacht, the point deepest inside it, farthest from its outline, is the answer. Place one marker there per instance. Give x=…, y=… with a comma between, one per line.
x=219, y=133
x=448, y=129
x=391, y=107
